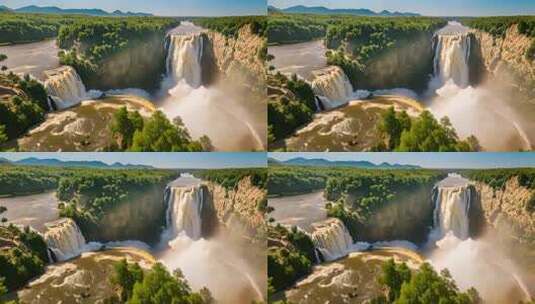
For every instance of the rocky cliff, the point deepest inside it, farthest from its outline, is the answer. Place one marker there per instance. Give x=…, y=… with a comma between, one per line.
x=238, y=58
x=506, y=210
x=140, y=66
x=237, y=209
x=408, y=65
x=409, y=217
x=141, y=217
x=504, y=58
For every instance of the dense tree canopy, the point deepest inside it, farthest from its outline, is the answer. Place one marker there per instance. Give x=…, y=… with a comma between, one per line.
x=421, y=134
x=290, y=257
x=155, y=286
x=156, y=134
x=423, y=286
x=290, y=107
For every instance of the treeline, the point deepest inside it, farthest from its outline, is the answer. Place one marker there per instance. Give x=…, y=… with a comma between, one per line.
x=154, y=286
x=93, y=39
x=23, y=256
x=291, y=104
x=290, y=257
x=498, y=26
x=230, y=26
x=86, y=194
x=23, y=105
x=401, y=133
x=19, y=28
x=156, y=134
x=229, y=178
x=337, y=182
x=16, y=180
x=284, y=29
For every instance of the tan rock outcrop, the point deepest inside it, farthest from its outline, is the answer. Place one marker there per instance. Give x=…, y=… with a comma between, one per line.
x=505, y=210
x=505, y=58
x=237, y=209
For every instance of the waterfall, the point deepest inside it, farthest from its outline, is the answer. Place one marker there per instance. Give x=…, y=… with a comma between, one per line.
x=65, y=87
x=452, y=207
x=451, y=212
x=332, y=239
x=452, y=54
x=184, y=56
x=184, y=209
x=332, y=87
x=64, y=239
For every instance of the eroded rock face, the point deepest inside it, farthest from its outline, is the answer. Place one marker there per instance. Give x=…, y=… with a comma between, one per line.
x=505, y=58
x=238, y=59
x=505, y=210
x=237, y=209
x=406, y=66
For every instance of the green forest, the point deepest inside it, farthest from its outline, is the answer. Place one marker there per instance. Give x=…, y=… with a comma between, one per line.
x=230, y=26
x=24, y=105
x=155, y=134
x=354, y=41
x=154, y=286
x=290, y=257
x=23, y=256
x=229, y=178
x=422, y=134
x=423, y=285
x=290, y=105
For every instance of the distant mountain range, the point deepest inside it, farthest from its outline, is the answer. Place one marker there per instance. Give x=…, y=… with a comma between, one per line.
x=320, y=162
x=82, y=11
x=321, y=10
x=51, y=162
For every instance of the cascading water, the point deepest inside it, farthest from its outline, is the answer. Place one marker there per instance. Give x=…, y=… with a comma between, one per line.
x=64, y=239
x=226, y=119
x=475, y=263
x=332, y=239
x=452, y=207
x=65, y=87
x=184, y=58
x=452, y=55
x=482, y=111
x=332, y=87
x=184, y=209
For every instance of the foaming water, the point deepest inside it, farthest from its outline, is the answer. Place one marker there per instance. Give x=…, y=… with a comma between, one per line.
x=472, y=263
x=205, y=111
x=204, y=262
x=479, y=111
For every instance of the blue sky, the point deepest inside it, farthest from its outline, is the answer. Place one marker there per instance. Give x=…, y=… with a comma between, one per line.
x=159, y=160
x=428, y=160
x=426, y=7
x=158, y=7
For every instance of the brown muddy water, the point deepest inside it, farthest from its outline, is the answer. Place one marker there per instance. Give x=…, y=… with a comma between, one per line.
x=81, y=128
x=299, y=210
x=349, y=280
x=300, y=58
x=31, y=210
x=31, y=58
x=349, y=128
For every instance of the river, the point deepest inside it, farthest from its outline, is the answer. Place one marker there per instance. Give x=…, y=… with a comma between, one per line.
x=299, y=58
x=31, y=210
x=31, y=58
x=299, y=210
